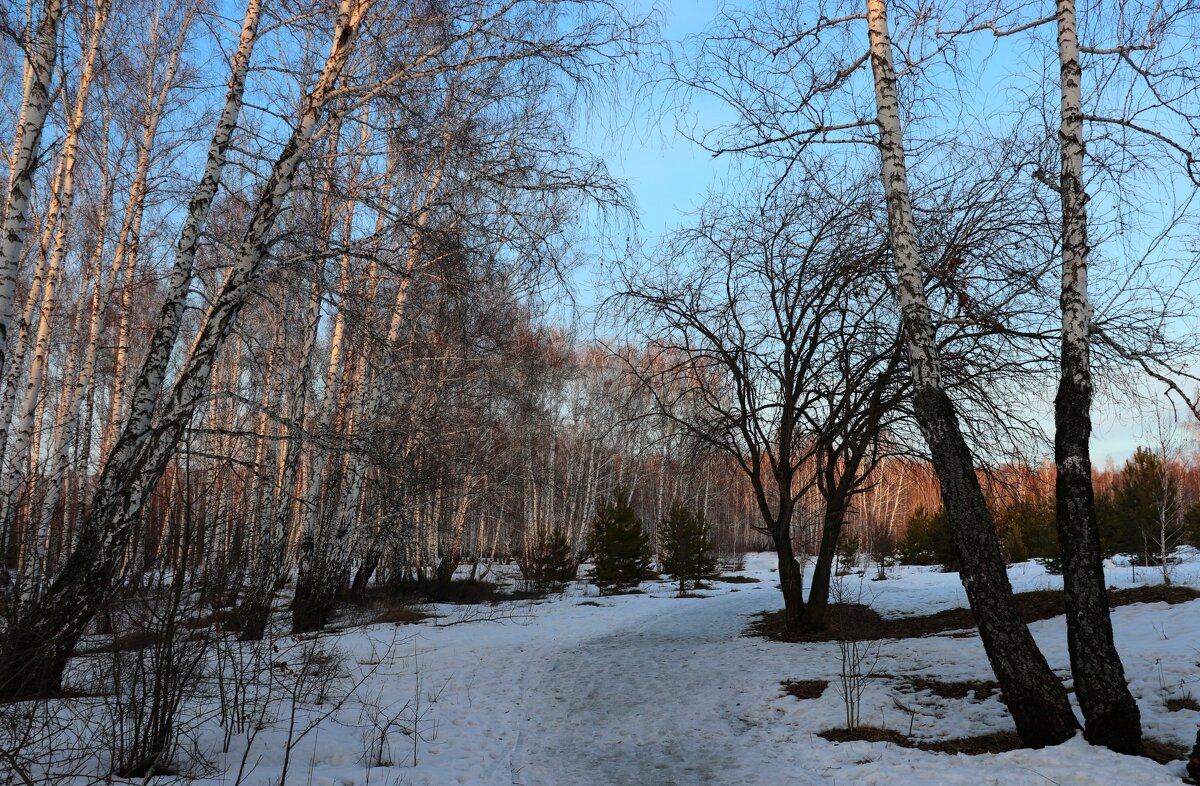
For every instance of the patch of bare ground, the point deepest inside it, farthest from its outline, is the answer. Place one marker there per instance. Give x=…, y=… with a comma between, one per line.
x=993, y=742
x=390, y=611
x=805, y=689
x=978, y=690
x=1162, y=752
x=736, y=579
x=1183, y=703
x=857, y=622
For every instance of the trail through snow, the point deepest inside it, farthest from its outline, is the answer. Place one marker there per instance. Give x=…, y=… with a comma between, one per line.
x=653, y=690
x=655, y=703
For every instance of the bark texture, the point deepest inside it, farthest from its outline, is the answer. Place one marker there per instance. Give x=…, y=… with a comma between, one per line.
x=1193, y=763
x=35, y=108
x=1111, y=715
x=1034, y=695
x=35, y=654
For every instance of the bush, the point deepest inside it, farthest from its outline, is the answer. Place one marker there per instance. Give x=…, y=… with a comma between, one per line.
x=685, y=547
x=848, y=548
x=1027, y=529
x=618, y=545
x=927, y=540
x=548, y=561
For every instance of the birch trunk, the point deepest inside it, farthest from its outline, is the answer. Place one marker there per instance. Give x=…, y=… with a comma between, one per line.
x=35, y=108
x=59, y=224
x=34, y=655
x=1111, y=715
x=1034, y=695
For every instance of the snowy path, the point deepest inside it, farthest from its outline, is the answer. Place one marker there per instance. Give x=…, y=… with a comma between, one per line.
x=655, y=703
x=653, y=690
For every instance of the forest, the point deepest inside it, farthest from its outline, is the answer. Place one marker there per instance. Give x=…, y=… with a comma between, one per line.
x=351, y=386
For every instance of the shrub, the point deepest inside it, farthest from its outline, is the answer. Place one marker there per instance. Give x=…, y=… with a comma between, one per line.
x=618, y=545
x=1026, y=528
x=848, y=548
x=685, y=547
x=927, y=540
x=548, y=561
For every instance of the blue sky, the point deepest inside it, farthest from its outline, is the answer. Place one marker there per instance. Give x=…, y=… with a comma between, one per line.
x=668, y=178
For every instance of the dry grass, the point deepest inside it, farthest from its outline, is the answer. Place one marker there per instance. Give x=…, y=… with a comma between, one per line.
x=1183, y=703
x=805, y=689
x=867, y=734
x=391, y=611
x=978, y=690
x=856, y=622
x=735, y=579
x=1162, y=752
x=993, y=742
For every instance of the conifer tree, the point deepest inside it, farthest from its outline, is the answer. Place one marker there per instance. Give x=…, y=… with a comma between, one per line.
x=548, y=561
x=618, y=545
x=686, y=550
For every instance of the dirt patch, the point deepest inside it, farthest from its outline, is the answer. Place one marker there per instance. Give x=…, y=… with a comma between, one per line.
x=732, y=579
x=805, y=689
x=1162, y=752
x=867, y=734
x=1183, y=703
x=979, y=690
x=993, y=742
x=393, y=612
x=996, y=742
x=857, y=622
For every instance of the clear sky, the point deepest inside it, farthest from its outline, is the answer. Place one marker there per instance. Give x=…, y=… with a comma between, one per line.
x=668, y=177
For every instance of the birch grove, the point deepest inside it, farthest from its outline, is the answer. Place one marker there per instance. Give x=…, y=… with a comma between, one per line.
x=100, y=404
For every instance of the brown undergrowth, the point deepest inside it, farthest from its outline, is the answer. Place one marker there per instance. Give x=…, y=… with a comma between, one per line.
x=992, y=742
x=858, y=622
x=805, y=689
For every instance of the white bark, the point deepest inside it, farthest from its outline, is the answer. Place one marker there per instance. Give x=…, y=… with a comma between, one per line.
x=36, y=107
x=918, y=324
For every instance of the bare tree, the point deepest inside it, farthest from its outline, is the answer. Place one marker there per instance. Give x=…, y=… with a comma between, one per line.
x=740, y=316
x=824, y=75
x=41, y=55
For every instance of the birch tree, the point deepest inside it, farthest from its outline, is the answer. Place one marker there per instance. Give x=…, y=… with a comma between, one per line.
x=836, y=87
x=42, y=54
x=1034, y=695
x=1140, y=109
x=40, y=641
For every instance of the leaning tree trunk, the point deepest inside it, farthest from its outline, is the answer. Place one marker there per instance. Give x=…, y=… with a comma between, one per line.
x=25, y=159
x=1111, y=715
x=1035, y=697
x=34, y=654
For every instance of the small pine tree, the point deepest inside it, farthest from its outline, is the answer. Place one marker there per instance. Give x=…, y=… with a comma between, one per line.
x=686, y=549
x=618, y=545
x=848, y=548
x=927, y=540
x=548, y=562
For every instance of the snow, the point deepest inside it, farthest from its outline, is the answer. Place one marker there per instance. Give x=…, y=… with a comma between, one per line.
x=657, y=690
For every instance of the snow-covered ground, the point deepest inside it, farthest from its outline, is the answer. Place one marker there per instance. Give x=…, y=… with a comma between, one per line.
x=650, y=689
